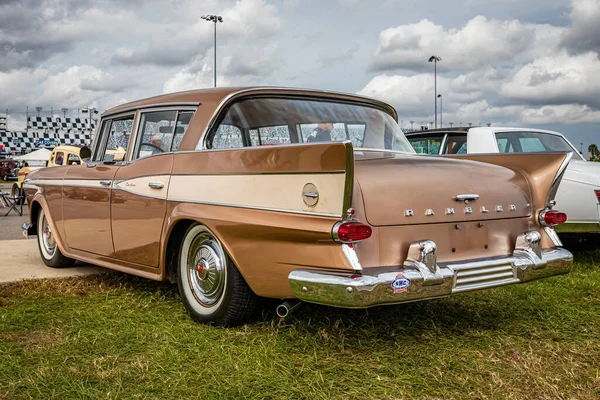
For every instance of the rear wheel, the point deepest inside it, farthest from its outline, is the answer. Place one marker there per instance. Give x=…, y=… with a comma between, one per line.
x=211, y=287
x=51, y=255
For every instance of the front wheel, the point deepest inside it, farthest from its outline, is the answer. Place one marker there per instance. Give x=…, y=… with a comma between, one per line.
x=211, y=287
x=18, y=194
x=51, y=255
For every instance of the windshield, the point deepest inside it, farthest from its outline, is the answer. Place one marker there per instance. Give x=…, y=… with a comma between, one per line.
x=274, y=121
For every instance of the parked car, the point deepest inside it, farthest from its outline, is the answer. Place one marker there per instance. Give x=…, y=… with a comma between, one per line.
x=64, y=155
x=235, y=193
x=9, y=170
x=579, y=193
x=61, y=155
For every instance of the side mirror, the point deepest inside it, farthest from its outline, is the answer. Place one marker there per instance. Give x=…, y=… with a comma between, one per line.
x=85, y=154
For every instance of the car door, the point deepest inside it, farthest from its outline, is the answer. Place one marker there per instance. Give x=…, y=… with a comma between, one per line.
x=139, y=197
x=87, y=189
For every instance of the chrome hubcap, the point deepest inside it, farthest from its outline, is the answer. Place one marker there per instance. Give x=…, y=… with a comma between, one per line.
x=48, y=238
x=206, y=269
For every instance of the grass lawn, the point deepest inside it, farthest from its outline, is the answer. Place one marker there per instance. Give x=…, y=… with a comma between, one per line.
x=117, y=336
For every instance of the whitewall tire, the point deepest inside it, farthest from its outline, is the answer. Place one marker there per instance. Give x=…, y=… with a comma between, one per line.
x=51, y=255
x=211, y=287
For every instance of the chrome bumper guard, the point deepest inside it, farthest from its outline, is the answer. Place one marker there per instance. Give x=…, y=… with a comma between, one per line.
x=421, y=277
x=28, y=229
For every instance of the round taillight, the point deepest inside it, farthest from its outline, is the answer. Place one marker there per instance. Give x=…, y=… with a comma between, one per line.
x=351, y=231
x=553, y=218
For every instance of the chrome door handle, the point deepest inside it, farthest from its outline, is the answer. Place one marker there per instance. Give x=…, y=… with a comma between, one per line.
x=105, y=182
x=156, y=185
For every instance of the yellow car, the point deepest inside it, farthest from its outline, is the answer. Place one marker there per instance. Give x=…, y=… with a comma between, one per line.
x=60, y=156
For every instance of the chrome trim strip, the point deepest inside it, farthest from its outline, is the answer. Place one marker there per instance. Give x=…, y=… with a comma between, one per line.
x=351, y=256
x=349, y=185
x=553, y=236
x=170, y=104
x=208, y=203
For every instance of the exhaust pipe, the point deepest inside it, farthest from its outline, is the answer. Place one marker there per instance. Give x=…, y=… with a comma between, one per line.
x=286, y=308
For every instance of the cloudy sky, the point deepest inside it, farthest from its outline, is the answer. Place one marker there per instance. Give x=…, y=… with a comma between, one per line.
x=505, y=62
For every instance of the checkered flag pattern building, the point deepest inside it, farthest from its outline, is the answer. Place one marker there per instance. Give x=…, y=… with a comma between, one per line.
x=48, y=132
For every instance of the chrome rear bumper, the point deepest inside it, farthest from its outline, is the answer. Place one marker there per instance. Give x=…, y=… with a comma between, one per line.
x=421, y=277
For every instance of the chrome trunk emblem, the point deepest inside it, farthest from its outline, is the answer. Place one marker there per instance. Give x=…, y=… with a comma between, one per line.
x=484, y=210
x=499, y=209
x=449, y=211
x=513, y=207
x=409, y=213
x=468, y=210
x=429, y=212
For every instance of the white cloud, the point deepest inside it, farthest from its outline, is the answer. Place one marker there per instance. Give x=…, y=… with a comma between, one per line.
x=555, y=79
x=189, y=80
x=478, y=43
x=560, y=114
x=176, y=43
x=584, y=34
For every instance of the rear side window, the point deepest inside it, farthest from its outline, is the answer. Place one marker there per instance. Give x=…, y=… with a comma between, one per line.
x=429, y=144
x=228, y=137
x=530, y=142
x=270, y=135
x=456, y=144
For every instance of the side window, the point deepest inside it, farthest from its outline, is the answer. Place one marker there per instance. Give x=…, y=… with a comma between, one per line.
x=426, y=144
x=183, y=121
x=59, y=158
x=357, y=134
x=157, y=132
x=227, y=137
x=531, y=145
x=456, y=144
x=119, y=135
x=271, y=135
x=73, y=159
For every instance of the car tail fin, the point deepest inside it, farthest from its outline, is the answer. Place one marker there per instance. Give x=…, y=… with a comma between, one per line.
x=543, y=171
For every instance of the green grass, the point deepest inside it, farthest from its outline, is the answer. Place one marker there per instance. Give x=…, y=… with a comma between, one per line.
x=117, y=336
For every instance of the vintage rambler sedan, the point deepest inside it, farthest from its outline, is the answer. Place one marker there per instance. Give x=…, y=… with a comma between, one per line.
x=293, y=194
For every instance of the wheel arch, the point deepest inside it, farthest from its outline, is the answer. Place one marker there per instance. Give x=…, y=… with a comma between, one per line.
x=37, y=204
x=175, y=233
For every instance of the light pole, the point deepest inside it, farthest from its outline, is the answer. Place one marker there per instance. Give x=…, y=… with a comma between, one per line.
x=91, y=111
x=38, y=109
x=64, y=110
x=434, y=60
x=215, y=19
x=412, y=124
x=441, y=110
x=451, y=123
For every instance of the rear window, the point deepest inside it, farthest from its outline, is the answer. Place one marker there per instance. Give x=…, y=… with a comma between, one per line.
x=530, y=142
x=429, y=144
x=279, y=121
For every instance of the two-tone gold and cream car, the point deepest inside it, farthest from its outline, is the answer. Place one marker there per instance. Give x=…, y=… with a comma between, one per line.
x=294, y=194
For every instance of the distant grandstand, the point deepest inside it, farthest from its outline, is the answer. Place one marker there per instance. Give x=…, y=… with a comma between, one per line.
x=47, y=132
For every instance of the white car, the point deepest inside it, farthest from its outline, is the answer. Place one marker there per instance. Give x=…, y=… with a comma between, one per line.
x=579, y=193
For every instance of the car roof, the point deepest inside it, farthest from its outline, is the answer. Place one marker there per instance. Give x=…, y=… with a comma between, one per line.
x=465, y=129
x=215, y=97
x=72, y=149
